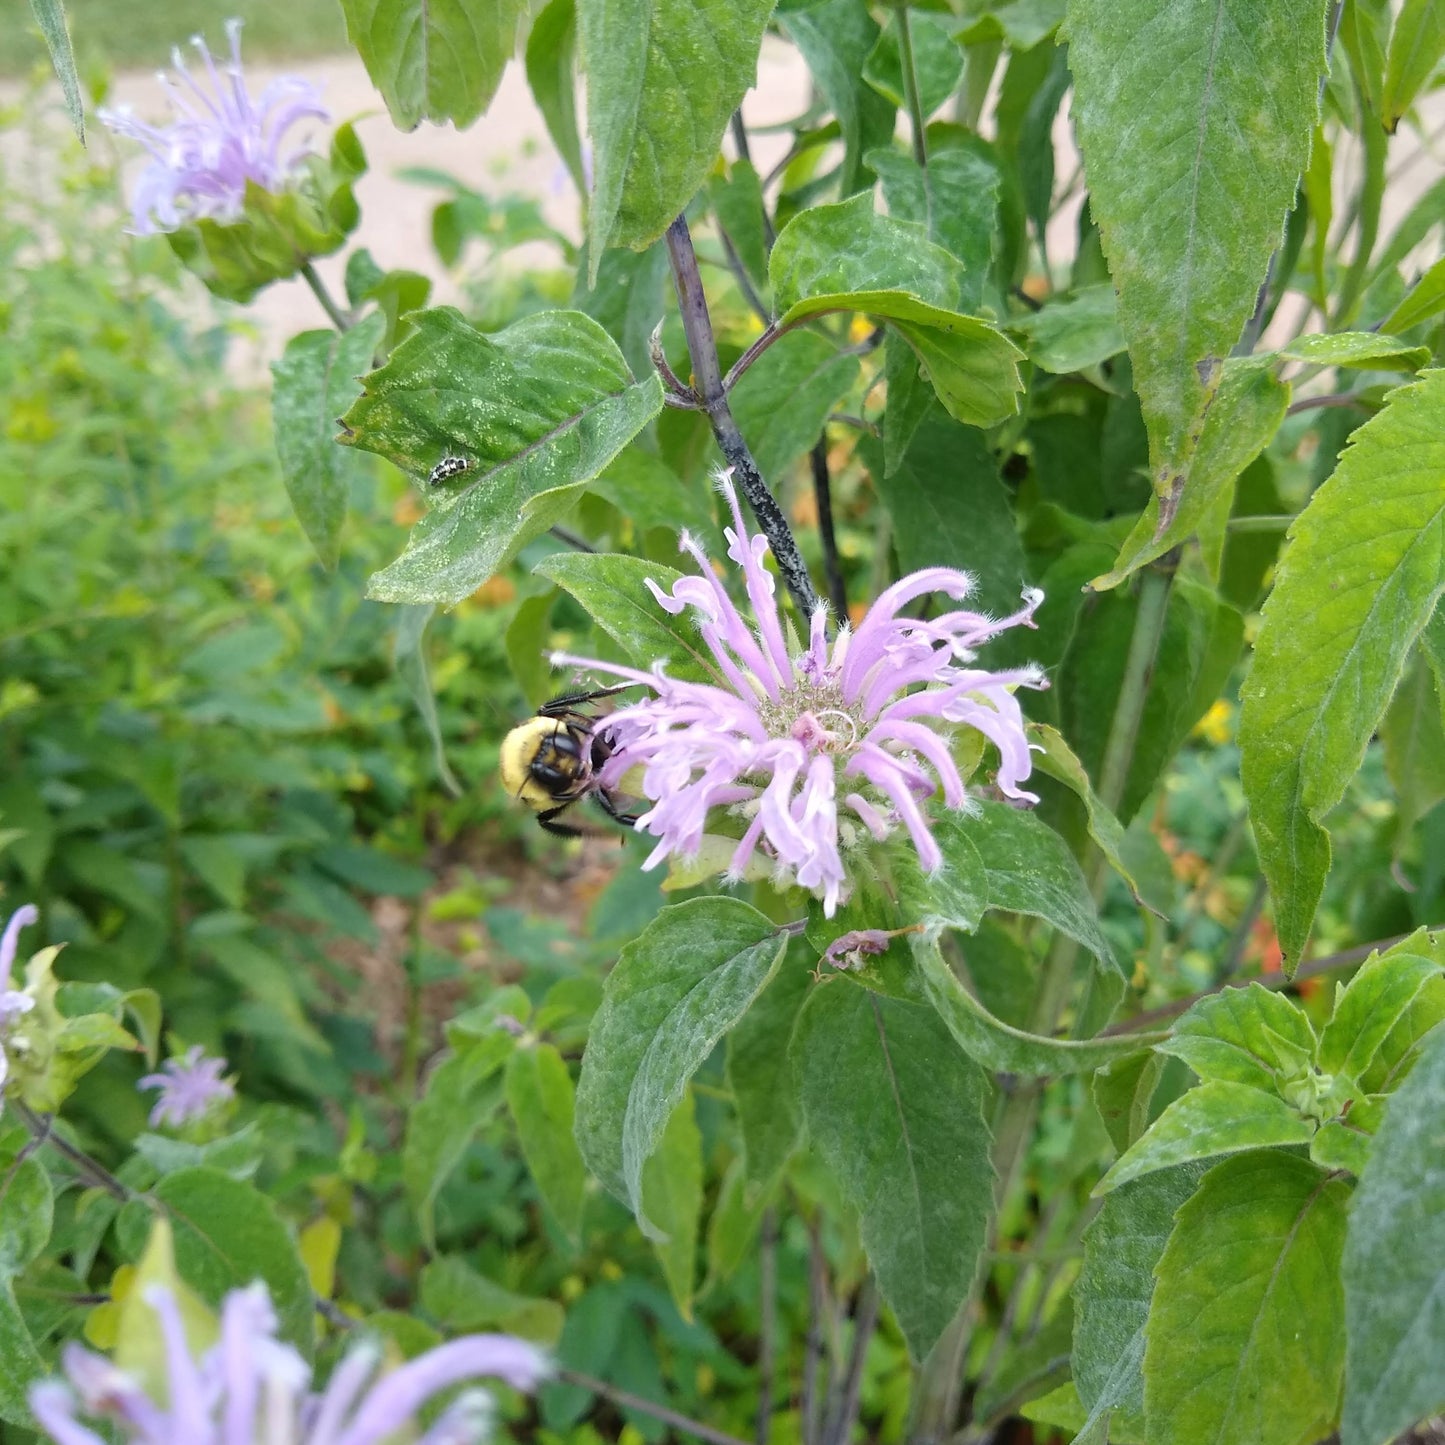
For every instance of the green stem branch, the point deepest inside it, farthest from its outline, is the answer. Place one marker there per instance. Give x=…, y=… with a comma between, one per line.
x=910, y=85
x=338, y=318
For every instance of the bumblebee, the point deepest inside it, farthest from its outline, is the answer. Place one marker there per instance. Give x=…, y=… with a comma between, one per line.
x=551, y=761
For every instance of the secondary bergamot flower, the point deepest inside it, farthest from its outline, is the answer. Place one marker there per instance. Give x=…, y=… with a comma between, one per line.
x=814, y=749
x=219, y=140
x=190, y=1087
x=251, y=1388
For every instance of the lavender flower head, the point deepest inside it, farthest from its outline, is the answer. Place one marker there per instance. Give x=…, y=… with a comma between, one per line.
x=814, y=750
x=219, y=140
x=14, y=1005
x=252, y=1389
x=190, y=1086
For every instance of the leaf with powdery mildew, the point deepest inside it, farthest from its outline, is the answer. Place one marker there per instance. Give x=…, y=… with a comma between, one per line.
x=663, y=78
x=1357, y=582
x=675, y=991
x=536, y=410
x=1394, y=1265
x=1111, y=1297
x=1244, y=1342
x=1215, y=1118
x=895, y=1110
x=1194, y=118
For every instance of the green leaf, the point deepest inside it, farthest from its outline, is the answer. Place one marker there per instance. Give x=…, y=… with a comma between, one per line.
x=1244, y=1340
x=835, y=39
x=830, y=251
x=1111, y=1297
x=1248, y=407
x=1413, y=738
x=1215, y=1118
x=949, y=509
x=50, y=16
x=1357, y=582
x=1425, y=300
x=1123, y=1093
x=1022, y=23
x=733, y=1226
x=663, y=79
x=738, y=204
x=1364, y=29
x=227, y=1235
x=543, y=1104
x=1072, y=333
x=1195, y=121
x=1001, y=1047
x=848, y=258
x=317, y=378
x=954, y=198
x=1362, y=350
x=551, y=73
x=895, y=1110
x=538, y=409
x=409, y=658
x=1368, y=1008
x=760, y=1077
x=649, y=494
x=24, y=1368
x=626, y=296
x=461, y=1301
x=937, y=63
x=432, y=61
x=1249, y=1035
x=462, y=1094
x=27, y=1211
x=908, y=400
x=672, y=1199
x=783, y=400
x=1029, y=869
x=1052, y=755
x=612, y=588
x=675, y=991
x=1394, y=1265
x=1417, y=44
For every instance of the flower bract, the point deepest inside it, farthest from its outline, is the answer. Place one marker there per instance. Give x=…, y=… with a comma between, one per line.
x=815, y=748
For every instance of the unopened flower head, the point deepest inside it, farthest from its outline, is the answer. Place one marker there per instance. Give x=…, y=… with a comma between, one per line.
x=190, y=1087
x=219, y=140
x=252, y=1389
x=14, y=1004
x=814, y=750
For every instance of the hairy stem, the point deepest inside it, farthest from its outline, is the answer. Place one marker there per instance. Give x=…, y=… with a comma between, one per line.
x=823, y=495
x=338, y=318
x=910, y=84
x=702, y=348
x=647, y=1407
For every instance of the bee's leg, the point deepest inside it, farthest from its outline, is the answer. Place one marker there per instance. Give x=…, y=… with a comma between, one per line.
x=547, y=821
x=609, y=806
x=568, y=704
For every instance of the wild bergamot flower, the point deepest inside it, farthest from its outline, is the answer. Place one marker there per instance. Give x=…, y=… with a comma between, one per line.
x=250, y=1387
x=190, y=1087
x=219, y=140
x=814, y=749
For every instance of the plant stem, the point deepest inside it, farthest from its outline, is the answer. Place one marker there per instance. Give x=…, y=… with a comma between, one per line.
x=658, y=1412
x=1333, y=398
x=865, y=1321
x=702, y=348
x=823, y=494
x=767, y=1321
x=910, y=84
x=338, y=318
x=1347, y=959
x=941, y=1378
x=571, y=539
x=40, y=1125
x=813, y=1345
x=740, y=275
